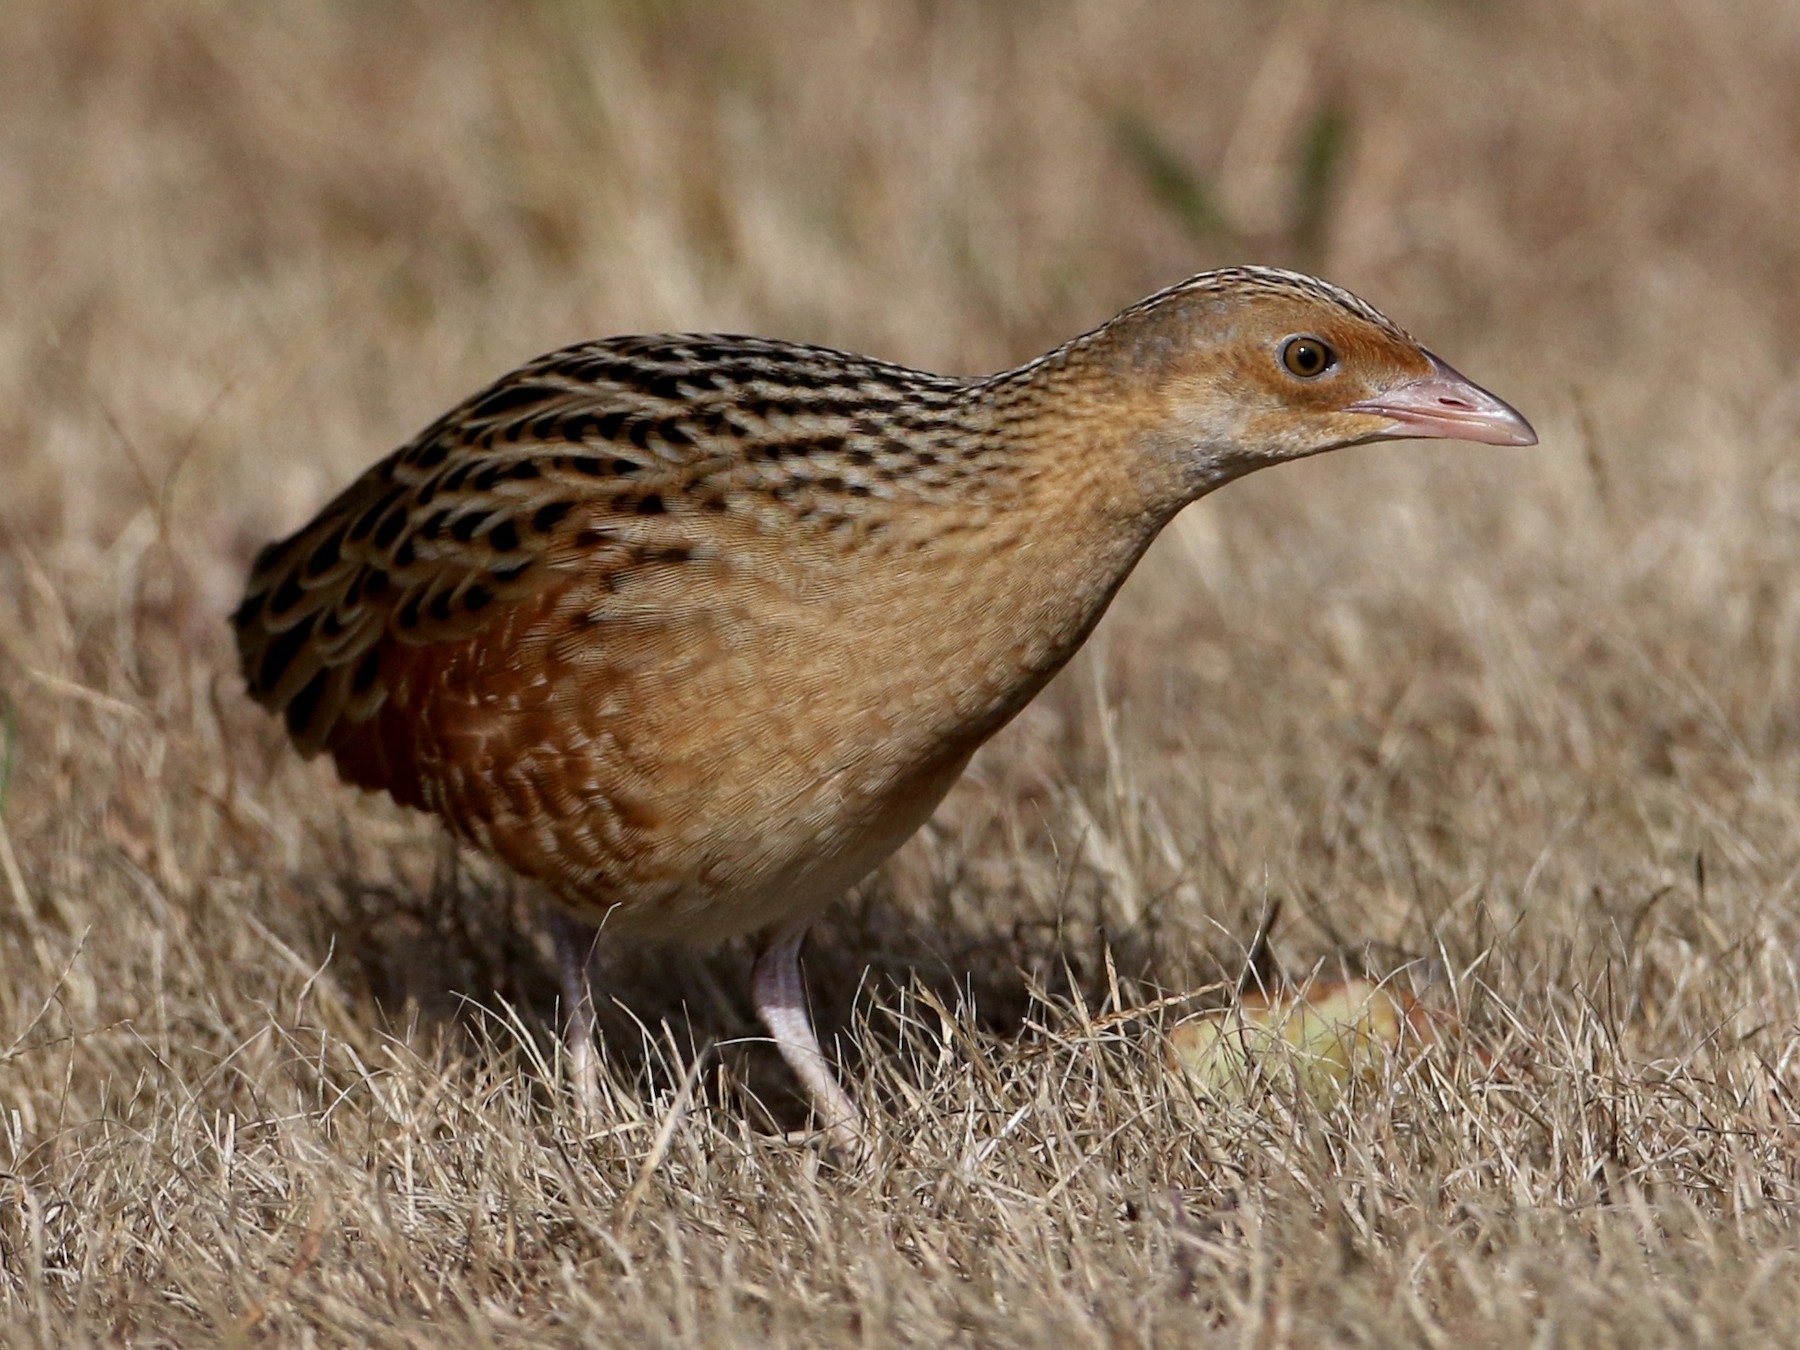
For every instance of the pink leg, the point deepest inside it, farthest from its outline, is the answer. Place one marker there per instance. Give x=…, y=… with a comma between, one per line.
x=780, y=998
x=574, y=941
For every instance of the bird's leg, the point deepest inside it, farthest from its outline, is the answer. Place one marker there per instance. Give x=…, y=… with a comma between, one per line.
x=574, y=941
x=780, y=997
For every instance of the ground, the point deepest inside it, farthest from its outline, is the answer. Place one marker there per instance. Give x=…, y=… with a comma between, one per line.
x=1516, y=728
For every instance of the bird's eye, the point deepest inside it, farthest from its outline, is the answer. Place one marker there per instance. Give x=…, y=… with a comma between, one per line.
x=1307, y=357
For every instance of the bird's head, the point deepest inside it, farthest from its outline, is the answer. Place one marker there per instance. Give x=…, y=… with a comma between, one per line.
x=1253, y=366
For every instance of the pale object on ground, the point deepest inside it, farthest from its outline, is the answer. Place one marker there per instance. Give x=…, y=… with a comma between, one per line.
x=1320, y=1036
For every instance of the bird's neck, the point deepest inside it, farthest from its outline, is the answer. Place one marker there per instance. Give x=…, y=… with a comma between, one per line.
x=1090, y=457
x=1053, y=517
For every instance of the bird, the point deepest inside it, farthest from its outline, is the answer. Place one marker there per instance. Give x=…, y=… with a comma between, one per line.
x=694, y=630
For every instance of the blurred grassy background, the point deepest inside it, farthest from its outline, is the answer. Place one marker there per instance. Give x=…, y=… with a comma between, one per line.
x=1527, y=717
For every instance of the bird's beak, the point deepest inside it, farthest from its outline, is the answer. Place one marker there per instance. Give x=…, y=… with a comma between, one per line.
x=1444, y=404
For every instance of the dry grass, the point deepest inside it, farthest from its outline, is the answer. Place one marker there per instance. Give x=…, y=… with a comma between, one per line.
x=1519, y=724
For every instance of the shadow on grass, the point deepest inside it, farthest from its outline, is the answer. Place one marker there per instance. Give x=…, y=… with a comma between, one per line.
x=459, y=957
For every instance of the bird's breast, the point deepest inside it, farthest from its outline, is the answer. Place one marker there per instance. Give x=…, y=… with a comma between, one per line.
x=737, y=740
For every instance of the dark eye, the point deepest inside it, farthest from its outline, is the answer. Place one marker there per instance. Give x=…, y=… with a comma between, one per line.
x=1307, y=357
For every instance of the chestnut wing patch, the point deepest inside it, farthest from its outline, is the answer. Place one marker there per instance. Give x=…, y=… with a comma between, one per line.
x=499, y=500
